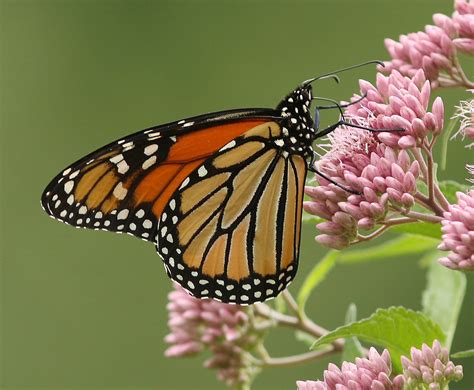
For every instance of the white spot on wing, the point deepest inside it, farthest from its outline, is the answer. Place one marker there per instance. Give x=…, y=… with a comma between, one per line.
x=120, y=191
x=202, y=171
x=116, y=159
x=231, y=144
x=279, y=142
x=184, y=183
x=150, y=149
x=149, y=162
x=122, y=167
x=123, y=214
x=68, y=186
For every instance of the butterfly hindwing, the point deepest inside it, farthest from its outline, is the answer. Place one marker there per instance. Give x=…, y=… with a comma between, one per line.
x=231, y=230
x=124, y=186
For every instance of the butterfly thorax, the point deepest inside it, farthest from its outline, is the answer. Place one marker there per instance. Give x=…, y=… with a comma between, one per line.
x=297, y=123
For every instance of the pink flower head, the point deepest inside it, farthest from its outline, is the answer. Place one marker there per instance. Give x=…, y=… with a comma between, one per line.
x=399, y=102
x=383, y=176
x=458, y=233
x=431, y=50
x=430, y=368
x=372, y=373
x=463, y=21
x=465, y=114
x=198, y=324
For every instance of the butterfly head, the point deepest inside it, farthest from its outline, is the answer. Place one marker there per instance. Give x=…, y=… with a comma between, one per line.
x=297, y=123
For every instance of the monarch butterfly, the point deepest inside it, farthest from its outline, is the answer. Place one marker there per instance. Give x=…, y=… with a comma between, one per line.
x=220, y=195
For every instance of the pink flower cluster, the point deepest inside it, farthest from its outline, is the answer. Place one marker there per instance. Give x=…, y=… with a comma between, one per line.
x=463, y=23
x=399, y=102
x=458, y=233
x=372, y=373
x=434, y=50
x=430, y=367
x=385, y=177
x=198, y=324
x=431, y=50
x=375, y=164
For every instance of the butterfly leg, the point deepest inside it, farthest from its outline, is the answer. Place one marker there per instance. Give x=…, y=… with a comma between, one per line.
x=326, y=177
x=336, y=104
x=333, y=127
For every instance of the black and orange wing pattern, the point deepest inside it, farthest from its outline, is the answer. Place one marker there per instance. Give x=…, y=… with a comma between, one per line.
x=219, y=194
x=124, y=186
x=232, y=229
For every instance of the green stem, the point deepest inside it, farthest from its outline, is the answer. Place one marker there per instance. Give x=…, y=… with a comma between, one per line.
x=444, y=142
x=467, y=83
x=298, y=359
x=374, y=234
x=423, y=217
x=305, y=325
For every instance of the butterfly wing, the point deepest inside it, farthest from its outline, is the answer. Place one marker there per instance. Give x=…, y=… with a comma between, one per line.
x=124, y=186
x=231, y=230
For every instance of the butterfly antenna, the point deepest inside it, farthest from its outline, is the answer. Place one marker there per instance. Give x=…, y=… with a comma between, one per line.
x=343, y=70
x=338, y=105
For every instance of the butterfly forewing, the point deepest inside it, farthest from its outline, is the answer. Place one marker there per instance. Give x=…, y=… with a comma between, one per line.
x=231, y=230
x=124, y=186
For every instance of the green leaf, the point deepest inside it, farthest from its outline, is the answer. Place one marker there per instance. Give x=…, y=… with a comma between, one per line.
x=443, y=296
x=396, y=328
x=426, y=229
x=449, y=189
x=400, y=246
x=316, y=276
x=352, y=346
x=463, y=354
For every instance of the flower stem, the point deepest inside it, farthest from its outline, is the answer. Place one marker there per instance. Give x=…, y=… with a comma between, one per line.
x=468, y=84
x=298, y=359
x=430, y=179
x=399, y=221
x=305, y=325
x=444, y=142
x=423, y=217
x=376, y=233
x=434, y=193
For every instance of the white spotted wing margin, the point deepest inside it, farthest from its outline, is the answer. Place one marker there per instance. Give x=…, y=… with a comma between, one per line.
x=97, y=191
x=231, y=231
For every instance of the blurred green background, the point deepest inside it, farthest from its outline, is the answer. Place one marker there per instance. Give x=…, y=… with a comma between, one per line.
x=86, y=310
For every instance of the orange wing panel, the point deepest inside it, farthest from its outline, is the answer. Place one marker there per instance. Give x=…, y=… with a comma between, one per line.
x=203, y=143
x=189, y=151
